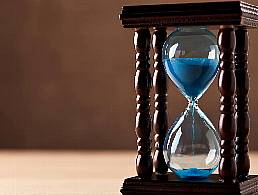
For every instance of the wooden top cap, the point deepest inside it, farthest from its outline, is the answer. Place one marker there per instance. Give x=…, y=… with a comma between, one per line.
x=236, y=13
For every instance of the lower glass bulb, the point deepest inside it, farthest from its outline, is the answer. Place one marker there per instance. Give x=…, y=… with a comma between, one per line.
x=191, y=148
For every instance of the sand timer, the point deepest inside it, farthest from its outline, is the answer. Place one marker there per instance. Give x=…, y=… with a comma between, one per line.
x=191, y=58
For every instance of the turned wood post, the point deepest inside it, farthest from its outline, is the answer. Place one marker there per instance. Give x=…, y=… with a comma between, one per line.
x=242, y=115
x=160, y=123
x=144, y=165
x=227, y=87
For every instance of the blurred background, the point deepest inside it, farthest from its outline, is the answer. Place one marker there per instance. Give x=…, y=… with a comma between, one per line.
x=66, y=77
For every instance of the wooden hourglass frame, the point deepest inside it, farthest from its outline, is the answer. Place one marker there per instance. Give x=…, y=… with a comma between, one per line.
x=233, y=20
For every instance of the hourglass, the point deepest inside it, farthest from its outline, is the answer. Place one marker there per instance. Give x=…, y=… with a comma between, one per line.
x=191, y=56
x=191, y=59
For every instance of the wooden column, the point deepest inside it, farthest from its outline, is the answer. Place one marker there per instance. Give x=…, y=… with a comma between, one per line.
x=227, y=87
x=242, y=115
x=144, y=165
x=160, y=124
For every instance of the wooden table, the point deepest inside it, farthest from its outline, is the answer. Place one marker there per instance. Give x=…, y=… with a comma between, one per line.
x=69, y=172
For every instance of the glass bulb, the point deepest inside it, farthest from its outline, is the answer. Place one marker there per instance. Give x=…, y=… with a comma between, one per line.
x=191, y=57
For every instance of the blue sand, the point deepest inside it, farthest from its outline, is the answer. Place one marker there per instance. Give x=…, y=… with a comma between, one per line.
x=191, y=75
x=194, y=173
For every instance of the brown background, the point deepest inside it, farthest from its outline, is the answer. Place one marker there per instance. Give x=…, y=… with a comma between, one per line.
x=66, y=77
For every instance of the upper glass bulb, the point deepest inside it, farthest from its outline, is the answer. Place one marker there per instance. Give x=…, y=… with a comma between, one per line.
x=191, y=56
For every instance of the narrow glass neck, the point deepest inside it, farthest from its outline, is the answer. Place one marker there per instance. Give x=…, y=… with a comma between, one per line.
x=192, y=103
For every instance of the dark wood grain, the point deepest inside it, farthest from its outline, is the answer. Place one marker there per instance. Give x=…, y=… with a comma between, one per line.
x=209, y=13
x=227, y=87
x=144, y=165
x=160, y=123
x=242, y=114
x=172, y=185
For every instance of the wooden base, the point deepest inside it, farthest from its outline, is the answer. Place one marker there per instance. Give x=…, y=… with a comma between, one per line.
x=172, y=185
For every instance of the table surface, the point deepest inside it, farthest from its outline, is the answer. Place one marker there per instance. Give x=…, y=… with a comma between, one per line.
x=69, y=172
